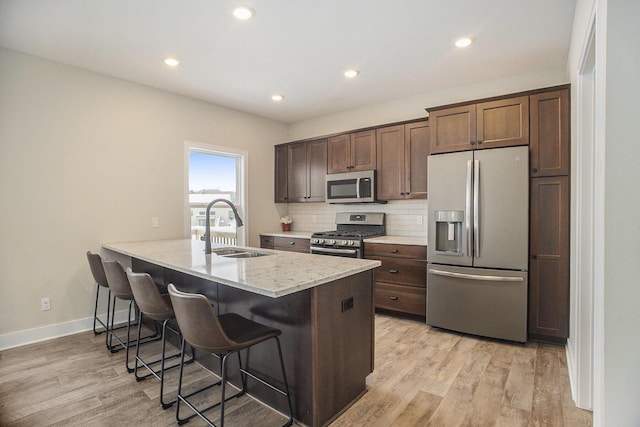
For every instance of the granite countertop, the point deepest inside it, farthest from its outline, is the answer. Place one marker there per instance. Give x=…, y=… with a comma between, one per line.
x=399, y=240
x=281, y=273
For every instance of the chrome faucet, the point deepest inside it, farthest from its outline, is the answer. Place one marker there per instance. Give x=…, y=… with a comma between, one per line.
x=207, y=225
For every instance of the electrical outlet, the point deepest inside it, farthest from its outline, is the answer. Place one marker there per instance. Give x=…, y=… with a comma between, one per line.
x=419, y=220
x=155, y=222
x=45, y=303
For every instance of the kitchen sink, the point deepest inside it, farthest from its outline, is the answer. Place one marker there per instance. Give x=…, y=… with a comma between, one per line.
x=238, y=253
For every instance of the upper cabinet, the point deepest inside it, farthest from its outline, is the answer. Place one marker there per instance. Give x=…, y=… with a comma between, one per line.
x=351, y=152
x=550, y=133
x=281, y=172
x=402, y=152
x=492, y=124
x=306, y=171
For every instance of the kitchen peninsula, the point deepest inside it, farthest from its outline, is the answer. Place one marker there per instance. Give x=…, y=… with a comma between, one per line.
x=322, y=304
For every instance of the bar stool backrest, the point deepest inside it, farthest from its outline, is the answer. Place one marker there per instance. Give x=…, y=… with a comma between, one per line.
x=117, y=279
x=148, y=297
x=97, y=270
x=199, y=322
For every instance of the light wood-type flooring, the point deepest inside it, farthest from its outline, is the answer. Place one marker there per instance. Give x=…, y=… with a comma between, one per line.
x=422, y=377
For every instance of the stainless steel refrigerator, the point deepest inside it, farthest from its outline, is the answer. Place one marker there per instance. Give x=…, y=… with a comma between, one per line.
x=478, y=242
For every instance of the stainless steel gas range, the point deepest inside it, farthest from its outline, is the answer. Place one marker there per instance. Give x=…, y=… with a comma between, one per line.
x=348, y=238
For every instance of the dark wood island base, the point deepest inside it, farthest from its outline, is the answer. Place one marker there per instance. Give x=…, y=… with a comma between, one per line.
x=327, y=339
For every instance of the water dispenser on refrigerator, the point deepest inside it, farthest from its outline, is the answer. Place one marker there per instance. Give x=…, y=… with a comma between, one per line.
x=449, y=232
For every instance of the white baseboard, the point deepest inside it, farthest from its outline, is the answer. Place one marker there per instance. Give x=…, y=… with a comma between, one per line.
x=571, y=368
x=43, y=333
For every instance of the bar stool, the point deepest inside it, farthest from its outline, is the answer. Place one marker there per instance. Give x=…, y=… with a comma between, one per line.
x=120, y=288
x=95, y=264
x=220, y=335
x=157, y=307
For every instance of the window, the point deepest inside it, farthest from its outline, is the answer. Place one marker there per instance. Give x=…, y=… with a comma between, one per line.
x=215, y=173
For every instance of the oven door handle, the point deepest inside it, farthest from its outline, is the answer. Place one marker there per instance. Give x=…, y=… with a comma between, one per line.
x=334, y=250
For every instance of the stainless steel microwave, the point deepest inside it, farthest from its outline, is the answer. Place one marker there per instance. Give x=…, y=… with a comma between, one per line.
x=351, y=187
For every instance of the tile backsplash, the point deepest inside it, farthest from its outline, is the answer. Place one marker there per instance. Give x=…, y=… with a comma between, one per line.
x=402, y=216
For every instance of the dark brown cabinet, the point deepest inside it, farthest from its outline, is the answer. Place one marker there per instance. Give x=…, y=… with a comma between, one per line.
x=291, y=244
x=491, y=124
x=281, y=171
x=267, y=242
x=549, y=216
x=549, y=259
x=400, y=282
x=402, y=152
x=550, y=143
x=351, y=152
x=307, y=168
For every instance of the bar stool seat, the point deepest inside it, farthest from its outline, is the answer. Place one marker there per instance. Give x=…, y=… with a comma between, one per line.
x=157, y=307
x=121, y=289
x=220, y=335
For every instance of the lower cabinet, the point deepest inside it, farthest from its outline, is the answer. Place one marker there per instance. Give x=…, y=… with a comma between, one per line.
x=267, y=242
x=291, y=244
x=549, y=259
x=401, y=281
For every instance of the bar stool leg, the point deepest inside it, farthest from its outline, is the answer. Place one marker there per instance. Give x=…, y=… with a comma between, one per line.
x=95, y=314
x=286, y=384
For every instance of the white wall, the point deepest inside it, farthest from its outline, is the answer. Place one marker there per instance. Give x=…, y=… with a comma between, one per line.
x=414, y=107
x=87, y=159
x=622, y=203
x=617, y=237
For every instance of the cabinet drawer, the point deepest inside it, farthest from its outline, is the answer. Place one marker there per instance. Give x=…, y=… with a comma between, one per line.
x=407, y=299
x=402, y=251
x=267, y=242
x=291, y=244
x=401, y=271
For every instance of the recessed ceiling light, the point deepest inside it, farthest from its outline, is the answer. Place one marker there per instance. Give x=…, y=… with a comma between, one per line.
x=351, y=73
x=463, y=42
x=277, y=97
x=243, y=13
x=171, y=62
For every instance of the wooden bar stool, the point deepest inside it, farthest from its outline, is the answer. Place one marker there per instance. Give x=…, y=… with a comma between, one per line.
x=156, y=306
x=221, y=335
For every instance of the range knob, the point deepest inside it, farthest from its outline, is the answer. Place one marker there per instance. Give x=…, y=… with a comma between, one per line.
x=332, y=242
x=321, y=241
x=346, y=243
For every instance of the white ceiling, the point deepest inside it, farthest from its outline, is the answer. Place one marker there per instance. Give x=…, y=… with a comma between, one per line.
x=299, y=48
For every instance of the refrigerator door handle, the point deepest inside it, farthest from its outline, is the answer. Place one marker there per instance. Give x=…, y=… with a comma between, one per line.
x=476, y=210
x=475, y=276
x=357, y=188
x=467, y=211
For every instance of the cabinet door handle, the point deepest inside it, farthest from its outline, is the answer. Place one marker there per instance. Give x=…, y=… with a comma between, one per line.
x=393, y=271
x=472, y=142
x=292, y=243
x=392, y=298
x=534, y=170
x=393, y=251
x=534, y=256
x=479, y=142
